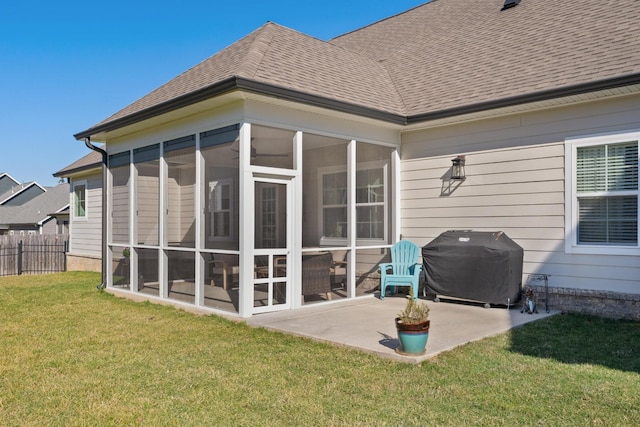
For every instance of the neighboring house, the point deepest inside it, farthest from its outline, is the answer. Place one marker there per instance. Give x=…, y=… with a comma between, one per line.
x=227, y=182
x=21, y=193
x=43, y=214
x=7, y=182
x=62, y=221
x=85, y=212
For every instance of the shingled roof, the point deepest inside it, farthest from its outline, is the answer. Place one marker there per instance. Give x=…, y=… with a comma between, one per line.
x=17, y=190
x=37, y=209
x=445, y=55
x=452, y=53
x=93, y=160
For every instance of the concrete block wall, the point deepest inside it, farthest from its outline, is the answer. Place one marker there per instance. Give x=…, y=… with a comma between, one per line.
x=83, y=263
x=608, y=304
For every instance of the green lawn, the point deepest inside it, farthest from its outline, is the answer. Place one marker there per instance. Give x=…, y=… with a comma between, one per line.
x=73, y=355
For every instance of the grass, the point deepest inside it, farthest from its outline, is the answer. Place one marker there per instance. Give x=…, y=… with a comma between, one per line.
x=72, y=355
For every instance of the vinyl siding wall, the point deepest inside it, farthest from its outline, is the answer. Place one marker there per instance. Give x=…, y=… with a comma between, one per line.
x=147, y=200
x=50, y=227
x=180, y=218
x=86, y=234
x=515, y=183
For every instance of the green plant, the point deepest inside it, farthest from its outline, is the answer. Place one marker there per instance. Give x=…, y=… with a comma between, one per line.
x=415, y=311
x=126, y=252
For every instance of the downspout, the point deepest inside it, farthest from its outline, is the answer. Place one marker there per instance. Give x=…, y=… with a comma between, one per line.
x=87, y=142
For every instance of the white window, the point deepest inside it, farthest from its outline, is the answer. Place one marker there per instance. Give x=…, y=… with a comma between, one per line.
x=370, y=200
x=334, y=205
x=370, y=203
x=221, y=209
x=602, y=194
x=80, y=199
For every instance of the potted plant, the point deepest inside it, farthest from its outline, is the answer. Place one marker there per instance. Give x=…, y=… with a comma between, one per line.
x=412, y=325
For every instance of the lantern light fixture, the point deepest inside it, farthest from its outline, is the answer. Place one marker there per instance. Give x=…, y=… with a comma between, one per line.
x=457, y=169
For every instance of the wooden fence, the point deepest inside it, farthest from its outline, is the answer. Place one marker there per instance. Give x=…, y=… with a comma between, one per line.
x=33, y=254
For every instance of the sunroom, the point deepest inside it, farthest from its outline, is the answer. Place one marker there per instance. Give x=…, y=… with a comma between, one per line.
x=251, y=217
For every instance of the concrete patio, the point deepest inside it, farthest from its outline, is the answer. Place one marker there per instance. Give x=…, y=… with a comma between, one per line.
x=368, y=325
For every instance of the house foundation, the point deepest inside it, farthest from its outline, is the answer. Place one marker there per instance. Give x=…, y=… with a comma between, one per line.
x=608, y=304
x=83, y=263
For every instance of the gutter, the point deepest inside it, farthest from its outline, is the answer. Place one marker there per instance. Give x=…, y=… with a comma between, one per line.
x=240, y=83
x=544, y=95
x=67, y=172
x=87, y=142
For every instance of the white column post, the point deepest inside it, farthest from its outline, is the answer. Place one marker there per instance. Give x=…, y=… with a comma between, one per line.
x=163, y=275
x=247, y=221
x=133, y=223
x=199, y=216
x=294, y=258
x=351, y=218
x=395, y=195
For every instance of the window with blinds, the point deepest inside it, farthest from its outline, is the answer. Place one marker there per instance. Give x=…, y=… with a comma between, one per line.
x=607, y=194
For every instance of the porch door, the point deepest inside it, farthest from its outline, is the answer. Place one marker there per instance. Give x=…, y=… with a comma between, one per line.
x=272, y=254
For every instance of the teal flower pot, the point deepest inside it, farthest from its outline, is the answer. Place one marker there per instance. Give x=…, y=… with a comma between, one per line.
x=413, y=337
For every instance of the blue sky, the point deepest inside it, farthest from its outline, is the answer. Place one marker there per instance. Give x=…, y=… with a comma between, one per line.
x=66, y=65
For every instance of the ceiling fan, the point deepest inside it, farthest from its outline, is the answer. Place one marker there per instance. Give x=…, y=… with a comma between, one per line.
x=254, y=153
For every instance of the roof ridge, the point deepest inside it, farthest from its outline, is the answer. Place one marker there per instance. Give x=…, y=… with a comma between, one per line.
x=384, y=19
x=257, y=50
x=381, y=64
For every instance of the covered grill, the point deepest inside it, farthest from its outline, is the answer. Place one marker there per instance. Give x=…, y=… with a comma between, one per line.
x=473, y=265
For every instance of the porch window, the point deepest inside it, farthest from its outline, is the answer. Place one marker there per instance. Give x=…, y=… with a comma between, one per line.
x=221, y=219
x=80, y=200
x=147, y=191
x=180, y=156
x=604, y=201
x=221, y=209
x=119, y=203
x=334, y=205
x=370, y=204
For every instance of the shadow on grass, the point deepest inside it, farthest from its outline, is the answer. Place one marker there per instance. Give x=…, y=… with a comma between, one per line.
x=581, y=339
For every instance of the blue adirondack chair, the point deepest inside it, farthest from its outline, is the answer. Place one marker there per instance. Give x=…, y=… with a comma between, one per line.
x=403, y=270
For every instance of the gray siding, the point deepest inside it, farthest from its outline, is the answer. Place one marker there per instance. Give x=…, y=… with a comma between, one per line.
x=6, y=184
x=180, y=218
x=50, y=226
x=147, y=200
x=515, y=183
x=86, y=234
x=25, y=196
x=120, y=205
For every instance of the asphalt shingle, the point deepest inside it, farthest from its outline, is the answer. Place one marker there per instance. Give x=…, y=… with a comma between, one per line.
x=442, y=55
x=38, y=208
x=451, y=53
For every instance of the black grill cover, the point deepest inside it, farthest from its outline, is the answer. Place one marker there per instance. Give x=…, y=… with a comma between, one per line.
x=474, y=265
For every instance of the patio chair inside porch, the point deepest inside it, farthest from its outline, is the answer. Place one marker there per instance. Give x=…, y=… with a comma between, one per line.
x=222, y=273
x=403, y=270
x=316, y=274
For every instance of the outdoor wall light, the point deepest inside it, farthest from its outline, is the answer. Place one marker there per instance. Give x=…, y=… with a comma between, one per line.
x=457, y=170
